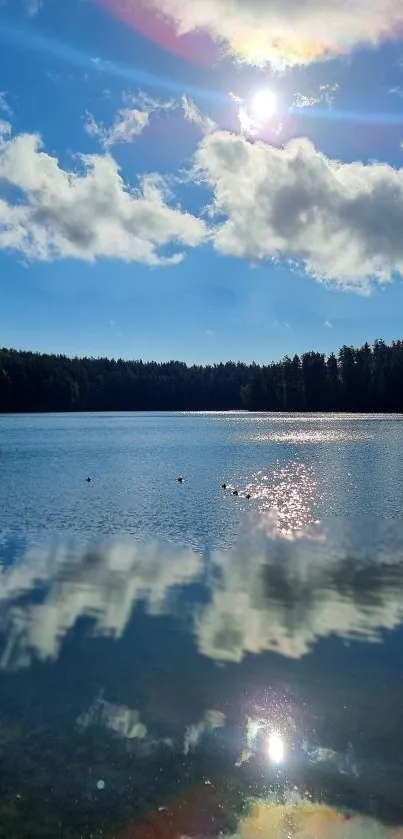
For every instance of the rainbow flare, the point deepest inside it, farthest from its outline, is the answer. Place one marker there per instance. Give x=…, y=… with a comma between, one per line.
x=195, y=47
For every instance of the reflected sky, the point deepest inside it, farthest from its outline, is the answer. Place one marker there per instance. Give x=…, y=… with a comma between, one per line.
x=241, y=681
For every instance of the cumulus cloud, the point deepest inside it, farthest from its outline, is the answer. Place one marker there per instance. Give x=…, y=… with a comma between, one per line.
x=341, y=222
x=284, y=596
x=87, y=213
x=193, y=115
x=103, y=584
x=286, y=31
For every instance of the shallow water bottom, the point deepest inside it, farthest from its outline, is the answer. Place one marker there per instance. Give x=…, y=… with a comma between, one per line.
x=310, y=820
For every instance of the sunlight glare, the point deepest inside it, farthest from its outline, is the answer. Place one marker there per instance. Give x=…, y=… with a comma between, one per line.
x=264, y=104
x=276, y=748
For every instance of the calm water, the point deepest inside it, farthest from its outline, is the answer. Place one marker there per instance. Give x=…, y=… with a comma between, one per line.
x=179, y=661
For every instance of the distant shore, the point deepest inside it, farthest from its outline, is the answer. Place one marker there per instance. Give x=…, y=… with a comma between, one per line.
x=364, y=380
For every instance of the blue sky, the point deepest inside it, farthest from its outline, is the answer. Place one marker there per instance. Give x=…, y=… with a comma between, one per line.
x=200, y=181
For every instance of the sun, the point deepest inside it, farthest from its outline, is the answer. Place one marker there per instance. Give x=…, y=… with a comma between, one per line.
x=263, y=105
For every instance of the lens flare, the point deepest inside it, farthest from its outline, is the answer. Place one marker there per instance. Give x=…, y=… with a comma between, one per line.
x=196, y=46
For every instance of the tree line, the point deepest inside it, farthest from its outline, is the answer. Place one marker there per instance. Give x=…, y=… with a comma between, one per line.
x=366, y=379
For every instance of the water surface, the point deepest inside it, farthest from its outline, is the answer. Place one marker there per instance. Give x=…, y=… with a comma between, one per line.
x=156, y=636
x=298, y=464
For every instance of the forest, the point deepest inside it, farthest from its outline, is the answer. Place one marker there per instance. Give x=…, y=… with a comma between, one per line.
x=369, y=378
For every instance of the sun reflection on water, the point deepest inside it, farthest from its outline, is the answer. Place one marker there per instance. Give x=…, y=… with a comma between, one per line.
x=275, y=748
x=286, y=499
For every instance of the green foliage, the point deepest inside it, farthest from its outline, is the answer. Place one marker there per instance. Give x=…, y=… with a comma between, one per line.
x=364, y=379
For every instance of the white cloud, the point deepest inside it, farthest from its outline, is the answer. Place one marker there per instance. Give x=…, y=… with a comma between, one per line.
x=129, y=121
x=286, y=31
x=87, y=214
x=129, y=124
x=103, y=584
x=4, y=106
x=326, y=94
x=193, y=115
x=5, y=128
x=342, y=222
x=300, y=100
x=250, y=126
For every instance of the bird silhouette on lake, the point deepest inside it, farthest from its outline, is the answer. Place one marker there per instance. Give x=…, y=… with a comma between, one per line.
x=88, y=480
x=180, y=480
x=223, y=486
x=235, y=492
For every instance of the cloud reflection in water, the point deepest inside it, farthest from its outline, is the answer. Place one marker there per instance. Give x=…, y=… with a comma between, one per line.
x=103, y=583
x=284, y=596
x=265, y=594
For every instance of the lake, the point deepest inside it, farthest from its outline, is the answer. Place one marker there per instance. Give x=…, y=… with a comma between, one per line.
x=177, y=660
